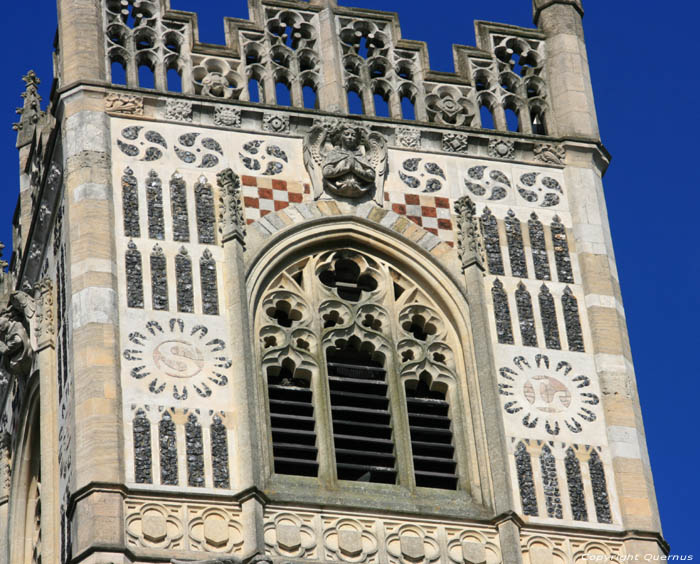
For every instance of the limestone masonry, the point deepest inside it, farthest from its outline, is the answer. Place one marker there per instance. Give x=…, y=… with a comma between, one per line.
x=300, y=298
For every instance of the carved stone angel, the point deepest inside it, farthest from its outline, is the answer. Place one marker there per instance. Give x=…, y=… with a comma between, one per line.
x=15, y=344
x=346, y=160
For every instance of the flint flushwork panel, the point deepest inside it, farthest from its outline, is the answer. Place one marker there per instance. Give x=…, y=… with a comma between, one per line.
x=492, y=243
x=560, y=463
x=525, y=316
x=142, y=448
x=178, y=202
x=504, y=327
x=159, y=279
x=575, y=485
x=134, y=277
x=538, y=248
x=130, y=203
x=154, y=198
x=550, y=482
x=516, y=250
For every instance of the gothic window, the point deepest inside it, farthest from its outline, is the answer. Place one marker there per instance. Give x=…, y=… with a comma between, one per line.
x=195, y=452
x=525, y=316
x=168, y=450
x=492, y=243
x=130, y=204
x=550, y=483
x=550, y=325
x=159, y=279
x=142, y=448
x=204, y=205
x=387, y=357
x=572, y=321
x=183, y=275
x=539, y=248
x=504, y=328
x=207, y=275
x=154, y=199
x=178, y=203
x=523, y=465
x=561, y=252
x=575, y=484
x=600, y=488
x=516, y=251
x=134, y=276
x=219, y=453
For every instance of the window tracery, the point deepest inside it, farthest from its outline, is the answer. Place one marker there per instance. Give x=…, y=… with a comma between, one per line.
x=378, y=352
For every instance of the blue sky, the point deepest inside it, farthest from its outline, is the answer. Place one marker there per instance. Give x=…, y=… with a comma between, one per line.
x=646, y=87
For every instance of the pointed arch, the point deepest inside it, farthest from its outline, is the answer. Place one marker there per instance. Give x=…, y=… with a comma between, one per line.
x=289, y=263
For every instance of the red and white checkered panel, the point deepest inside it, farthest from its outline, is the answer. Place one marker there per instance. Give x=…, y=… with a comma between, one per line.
x=432, y=213
x=263, y=195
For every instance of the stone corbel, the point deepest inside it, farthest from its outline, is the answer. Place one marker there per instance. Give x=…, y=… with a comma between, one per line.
x=469, y=238
x=231, y=218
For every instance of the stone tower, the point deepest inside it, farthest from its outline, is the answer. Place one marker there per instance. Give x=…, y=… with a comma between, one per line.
x=300, y=298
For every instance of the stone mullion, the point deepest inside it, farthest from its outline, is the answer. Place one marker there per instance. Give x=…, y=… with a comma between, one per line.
x=295, y=88
x=155, y=447
x=398, y=404
x=395, y=104
x=499, y=114
x=206, y=452
x=327, y=472
x=366, y=91
x=267, y=82
x=159, y=70
x=583, y=458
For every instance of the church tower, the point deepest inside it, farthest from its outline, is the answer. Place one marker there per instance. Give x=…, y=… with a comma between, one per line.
x=301, y=299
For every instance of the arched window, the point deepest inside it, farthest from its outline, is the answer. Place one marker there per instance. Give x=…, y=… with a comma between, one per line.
x=361, y=372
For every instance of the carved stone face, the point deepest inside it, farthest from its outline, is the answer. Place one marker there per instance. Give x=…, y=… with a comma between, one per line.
x=350, y=139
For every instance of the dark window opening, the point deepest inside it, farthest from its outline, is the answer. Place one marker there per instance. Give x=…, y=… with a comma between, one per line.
x=408, y=110
x=174, y=81
x=512, y=121
x=434, y=463
x=538, y=125
x=292, y=421
x=310, y=99
x=282, y=94
x=381, y=106
x=486, y=117
x=146, y=77
x=118, y=73
x=253, y=90
x=355, y=104
x=364, y=449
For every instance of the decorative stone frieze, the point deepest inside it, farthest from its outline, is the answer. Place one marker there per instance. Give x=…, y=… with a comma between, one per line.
x=126, y=104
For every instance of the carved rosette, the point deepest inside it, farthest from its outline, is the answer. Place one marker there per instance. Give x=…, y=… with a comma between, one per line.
x=469, y=239
x=232, y=221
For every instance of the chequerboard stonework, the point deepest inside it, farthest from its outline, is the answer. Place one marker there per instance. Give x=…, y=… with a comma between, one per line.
x=300, y=298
